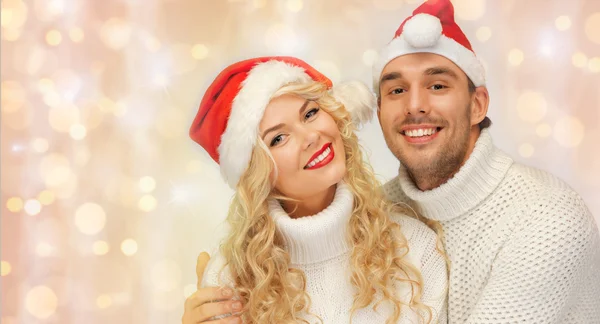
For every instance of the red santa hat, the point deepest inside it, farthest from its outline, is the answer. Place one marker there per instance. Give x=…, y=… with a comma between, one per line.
x=227, y=122
x=432, y=29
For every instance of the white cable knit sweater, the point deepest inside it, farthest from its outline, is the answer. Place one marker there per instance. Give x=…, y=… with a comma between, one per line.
x=318, y=246
x=523, y=246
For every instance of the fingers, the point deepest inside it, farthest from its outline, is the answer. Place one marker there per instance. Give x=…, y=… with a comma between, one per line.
x=227, y=320
x=200, y=266
x=210, y=310
x=208, y=295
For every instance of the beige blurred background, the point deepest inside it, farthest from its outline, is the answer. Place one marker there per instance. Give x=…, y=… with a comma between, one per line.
x=106, y=202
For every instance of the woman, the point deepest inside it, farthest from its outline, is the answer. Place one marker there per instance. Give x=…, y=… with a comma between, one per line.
x=312, y=238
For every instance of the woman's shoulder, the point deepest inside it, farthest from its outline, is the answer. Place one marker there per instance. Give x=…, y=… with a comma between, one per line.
x=422, y=240
x=412, y=228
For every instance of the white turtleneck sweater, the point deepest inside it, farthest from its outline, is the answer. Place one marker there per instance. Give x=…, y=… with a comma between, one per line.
x=523, y=246
x=318, y=246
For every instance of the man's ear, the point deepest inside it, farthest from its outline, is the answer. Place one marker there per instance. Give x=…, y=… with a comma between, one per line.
x=479, y=105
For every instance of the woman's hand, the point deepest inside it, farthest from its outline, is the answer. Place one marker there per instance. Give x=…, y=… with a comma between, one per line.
x=210, y=305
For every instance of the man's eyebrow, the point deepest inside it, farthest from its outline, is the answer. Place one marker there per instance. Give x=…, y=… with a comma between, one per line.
x=390, y=76
x=440, y=70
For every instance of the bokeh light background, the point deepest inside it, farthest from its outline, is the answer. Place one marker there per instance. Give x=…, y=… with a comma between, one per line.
x=106, y=202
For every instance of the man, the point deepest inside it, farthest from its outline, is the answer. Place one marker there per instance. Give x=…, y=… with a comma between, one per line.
x=522, y=245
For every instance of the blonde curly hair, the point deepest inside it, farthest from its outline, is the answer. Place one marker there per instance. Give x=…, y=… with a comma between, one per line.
x=274, y=292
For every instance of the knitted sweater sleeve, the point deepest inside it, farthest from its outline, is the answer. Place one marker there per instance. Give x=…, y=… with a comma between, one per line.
x=548, y=256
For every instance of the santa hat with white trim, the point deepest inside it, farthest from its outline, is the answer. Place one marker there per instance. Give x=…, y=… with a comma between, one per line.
x=227, y=122
x=432, y=29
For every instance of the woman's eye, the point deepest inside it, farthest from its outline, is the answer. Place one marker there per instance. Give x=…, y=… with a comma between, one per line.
x=311, y=113
x=276, y=140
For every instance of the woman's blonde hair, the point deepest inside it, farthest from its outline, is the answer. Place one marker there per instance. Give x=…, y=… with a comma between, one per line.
x=274, y=292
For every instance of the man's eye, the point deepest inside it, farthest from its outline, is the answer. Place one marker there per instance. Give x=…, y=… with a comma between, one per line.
x=438, y=87
x=397, y=91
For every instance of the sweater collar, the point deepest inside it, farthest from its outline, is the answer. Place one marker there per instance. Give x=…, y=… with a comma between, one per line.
x=319, y=237
x=475, y=180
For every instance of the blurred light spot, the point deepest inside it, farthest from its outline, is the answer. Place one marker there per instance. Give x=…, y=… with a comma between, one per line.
x=46, y=197
x=329, y=69
x=387, y=4
x=594, y=65
x=14, y=14
x=531, y=106
x=546, y=50
x=294, y=5
x=129, y=247
x=194, y=166
x=562, y=23
x=281, y=38
x=41, y=302
x=14, y=204
x=469, y=9
x=39, y=145
x=59, y=176
x=52, y=99
x=180, y=195
x=147, y=203
x=76, y=34
x=188, y=290
x=543, y=130
x=579, y=60
x=160, y=80
x=568, y=131
x=259, y=3
x=103, y=301
x=515, y=57
x=115, y=33
x=45, y=85
x=152, y=44
x=90, y=218
x=199, y=51
x=48, y=10
x=44, y=249
x=13, y=96
x=97, y=67
x=592, y=26
x=182, y=61
x=166, y=275
x=82, y=156
x=166, y=301
x=63, y=117
x=11, y=35
x=168, y=123
x=77, y=132
x=526, y=150
x=147, y=184
x=32, y=207
x=53, y=37
x=5, y=268
x=100, y=248
x=369, y=57
x=484, y=33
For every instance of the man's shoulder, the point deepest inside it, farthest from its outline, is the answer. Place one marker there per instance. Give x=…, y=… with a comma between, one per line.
x=548, y=198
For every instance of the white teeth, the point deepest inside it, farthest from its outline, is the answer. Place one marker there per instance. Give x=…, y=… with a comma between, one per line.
x=420, y=132
x=319, y=158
